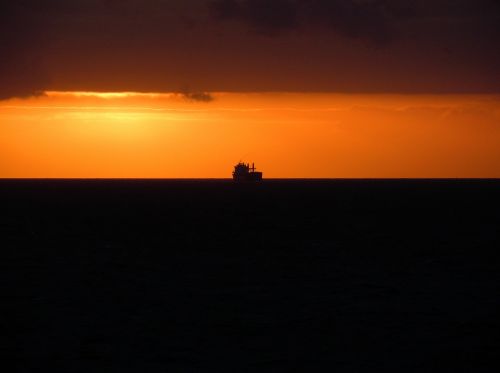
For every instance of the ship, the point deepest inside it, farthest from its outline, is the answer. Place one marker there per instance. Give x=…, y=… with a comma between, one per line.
x=243, y=172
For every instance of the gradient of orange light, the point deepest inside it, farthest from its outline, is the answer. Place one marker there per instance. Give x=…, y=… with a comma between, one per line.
x=83, y=134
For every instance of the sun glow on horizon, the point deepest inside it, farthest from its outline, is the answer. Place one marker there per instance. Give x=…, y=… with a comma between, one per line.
x=108, y=95
x=133, y=134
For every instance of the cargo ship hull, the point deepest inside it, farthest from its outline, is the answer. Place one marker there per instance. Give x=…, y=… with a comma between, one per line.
x=251, y=176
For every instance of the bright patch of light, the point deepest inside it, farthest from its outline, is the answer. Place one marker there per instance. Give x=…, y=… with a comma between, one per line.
x=109, y=95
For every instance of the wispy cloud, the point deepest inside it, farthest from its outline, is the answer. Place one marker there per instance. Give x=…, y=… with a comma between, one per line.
x=198, y=96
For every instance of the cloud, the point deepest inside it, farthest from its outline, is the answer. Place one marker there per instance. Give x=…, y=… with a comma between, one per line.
x=372, y=21
x=21, y=69
x=198, y=96
x=266, y=17
x=425, y=46
x=368, y=20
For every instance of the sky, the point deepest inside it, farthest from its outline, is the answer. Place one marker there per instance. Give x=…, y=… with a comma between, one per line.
x=311, y=88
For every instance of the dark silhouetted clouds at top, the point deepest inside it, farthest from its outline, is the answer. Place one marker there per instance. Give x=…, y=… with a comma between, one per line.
x=21, y=52
x=266, y=17
x=363, y=46
x=371, y=20
x=367, y=19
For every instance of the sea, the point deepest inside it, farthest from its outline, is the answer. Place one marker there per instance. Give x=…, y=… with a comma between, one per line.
x=277, y=276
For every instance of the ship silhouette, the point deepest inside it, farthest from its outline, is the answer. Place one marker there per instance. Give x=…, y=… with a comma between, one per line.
x=243, y=172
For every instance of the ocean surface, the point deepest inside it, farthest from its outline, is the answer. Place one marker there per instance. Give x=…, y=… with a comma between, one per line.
x=278, y=276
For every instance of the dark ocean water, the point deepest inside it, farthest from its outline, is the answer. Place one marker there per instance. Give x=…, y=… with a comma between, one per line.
x=281, y=276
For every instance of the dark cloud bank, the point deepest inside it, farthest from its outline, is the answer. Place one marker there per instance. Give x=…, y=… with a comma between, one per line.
x=420, y=46
x=367, y=20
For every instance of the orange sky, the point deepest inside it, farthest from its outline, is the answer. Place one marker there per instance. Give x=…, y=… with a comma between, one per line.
x=287, y=135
